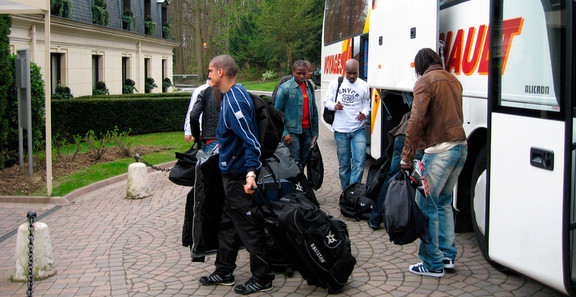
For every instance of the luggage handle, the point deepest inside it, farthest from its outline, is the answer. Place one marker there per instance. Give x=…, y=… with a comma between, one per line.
x=276, y=182
x=264, y=202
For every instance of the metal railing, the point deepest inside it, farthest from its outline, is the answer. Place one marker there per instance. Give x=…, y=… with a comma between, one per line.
x=185, y=80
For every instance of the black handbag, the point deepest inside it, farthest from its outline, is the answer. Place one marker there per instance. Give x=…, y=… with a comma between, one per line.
x=315, y=167
x=328, y=114
x=184, y=172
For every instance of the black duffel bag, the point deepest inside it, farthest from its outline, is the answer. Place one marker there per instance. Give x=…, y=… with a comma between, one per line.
x=315, y=167
x=184, y=172
x=403, y=219
x=354, y=203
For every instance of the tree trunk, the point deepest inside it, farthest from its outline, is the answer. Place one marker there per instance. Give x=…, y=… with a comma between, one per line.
x=179, y=51
x=289, y=57
x=198, y=42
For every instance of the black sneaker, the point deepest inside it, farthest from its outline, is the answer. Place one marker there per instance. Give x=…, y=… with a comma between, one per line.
x=419, y=269
x=217, y=279
x=251, y=286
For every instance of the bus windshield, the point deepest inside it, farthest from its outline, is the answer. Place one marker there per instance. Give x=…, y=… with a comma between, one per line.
x=344, y=19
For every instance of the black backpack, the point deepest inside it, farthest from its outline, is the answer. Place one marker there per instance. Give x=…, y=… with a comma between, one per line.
x=270, y=123
x=354, y=203
x=403, y=219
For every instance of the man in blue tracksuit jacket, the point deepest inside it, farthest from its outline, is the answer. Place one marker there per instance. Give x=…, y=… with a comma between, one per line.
x=242, y=223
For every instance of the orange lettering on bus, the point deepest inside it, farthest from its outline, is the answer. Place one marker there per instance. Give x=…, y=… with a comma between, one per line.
x=484, y=57
x=334, y=64
x=455, y=57
x=459, y=58
x=510, y=29
x=469, y=65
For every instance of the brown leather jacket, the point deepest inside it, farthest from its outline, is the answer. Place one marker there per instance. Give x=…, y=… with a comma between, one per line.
x=436, y=112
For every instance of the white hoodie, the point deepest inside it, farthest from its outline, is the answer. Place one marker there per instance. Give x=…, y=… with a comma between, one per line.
x=355, y=98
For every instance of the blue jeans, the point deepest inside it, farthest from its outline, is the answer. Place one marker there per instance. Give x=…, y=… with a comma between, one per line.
x=301, y=146
x=351, y=149
x=441, y=171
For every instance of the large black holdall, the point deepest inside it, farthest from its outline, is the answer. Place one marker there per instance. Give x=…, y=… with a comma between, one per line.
x=354, y=203
x=317, y=244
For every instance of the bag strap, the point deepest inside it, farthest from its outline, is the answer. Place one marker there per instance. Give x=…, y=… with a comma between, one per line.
x=309, y=85
x=265, y=207
x=340, y=80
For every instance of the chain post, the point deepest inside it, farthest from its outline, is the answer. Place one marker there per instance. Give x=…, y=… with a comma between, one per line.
x=140, y=159
x=31, y=219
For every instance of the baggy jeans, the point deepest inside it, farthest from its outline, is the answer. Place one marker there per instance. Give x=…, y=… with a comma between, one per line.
x=441, y=171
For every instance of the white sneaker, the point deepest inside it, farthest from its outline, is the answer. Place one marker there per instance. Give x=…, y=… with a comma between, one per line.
x=448, y=263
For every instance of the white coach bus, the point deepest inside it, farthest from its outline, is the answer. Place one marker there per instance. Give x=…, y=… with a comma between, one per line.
x=516, y=62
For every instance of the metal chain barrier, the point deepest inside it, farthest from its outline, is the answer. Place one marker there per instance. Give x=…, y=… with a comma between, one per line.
x=31, y=218
x=140, y=159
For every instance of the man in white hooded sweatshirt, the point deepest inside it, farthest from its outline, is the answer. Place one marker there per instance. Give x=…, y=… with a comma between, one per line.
x=352, y=107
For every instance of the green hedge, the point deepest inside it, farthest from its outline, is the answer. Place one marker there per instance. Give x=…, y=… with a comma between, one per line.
x=142, y=115
x=139, y=96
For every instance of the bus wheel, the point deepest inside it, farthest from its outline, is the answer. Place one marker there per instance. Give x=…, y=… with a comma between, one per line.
x=478, y=205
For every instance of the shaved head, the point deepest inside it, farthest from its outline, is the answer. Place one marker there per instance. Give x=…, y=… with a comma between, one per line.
x=351, y=68
x=351, y=65
x=227, y=63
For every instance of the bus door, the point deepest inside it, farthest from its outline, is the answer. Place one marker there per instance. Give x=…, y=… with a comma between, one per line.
x=530, y=156
x=397, y=30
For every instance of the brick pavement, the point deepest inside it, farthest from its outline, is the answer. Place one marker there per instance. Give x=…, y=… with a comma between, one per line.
x=106, y=245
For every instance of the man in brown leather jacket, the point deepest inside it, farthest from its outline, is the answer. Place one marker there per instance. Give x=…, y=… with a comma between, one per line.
x=435, y=126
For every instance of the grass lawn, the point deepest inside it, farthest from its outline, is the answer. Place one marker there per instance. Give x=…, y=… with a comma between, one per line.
x=171, y=142
x=267, y=86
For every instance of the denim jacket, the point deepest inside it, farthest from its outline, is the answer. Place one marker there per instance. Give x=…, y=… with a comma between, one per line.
x=290, y=101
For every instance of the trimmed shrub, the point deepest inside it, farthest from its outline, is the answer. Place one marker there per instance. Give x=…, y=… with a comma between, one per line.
x=100, y=89
x=128, y=87
x=10, y=150
x=149, y=84
x=138, y=115
x=62, y=92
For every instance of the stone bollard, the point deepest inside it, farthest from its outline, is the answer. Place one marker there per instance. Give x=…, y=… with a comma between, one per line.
x=43, y=261
x=137, y=186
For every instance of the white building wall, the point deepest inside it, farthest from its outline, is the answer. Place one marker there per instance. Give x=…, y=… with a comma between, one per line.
x=79, y=41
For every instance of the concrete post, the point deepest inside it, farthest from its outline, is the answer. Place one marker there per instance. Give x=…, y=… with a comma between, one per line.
x=43, y=261
x=137, y=185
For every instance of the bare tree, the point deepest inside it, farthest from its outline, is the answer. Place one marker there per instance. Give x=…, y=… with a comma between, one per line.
x=198, y=42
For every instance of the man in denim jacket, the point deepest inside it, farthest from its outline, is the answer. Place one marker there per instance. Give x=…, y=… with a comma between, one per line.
x=297, y=100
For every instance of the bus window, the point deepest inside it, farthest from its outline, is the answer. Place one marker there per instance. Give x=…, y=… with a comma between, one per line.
x=344, y=19
x=532, y=63
x=363, y=59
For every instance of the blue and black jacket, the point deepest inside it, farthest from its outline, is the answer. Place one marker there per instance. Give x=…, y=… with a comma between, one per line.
x=238, y=133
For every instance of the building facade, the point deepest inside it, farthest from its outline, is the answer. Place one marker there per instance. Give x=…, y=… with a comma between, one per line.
x=106, y=41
